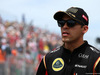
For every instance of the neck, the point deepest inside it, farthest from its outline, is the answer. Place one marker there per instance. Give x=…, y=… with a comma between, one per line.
x=73, y=45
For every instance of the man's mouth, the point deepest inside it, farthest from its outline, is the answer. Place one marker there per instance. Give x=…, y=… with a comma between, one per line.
x=65, y=33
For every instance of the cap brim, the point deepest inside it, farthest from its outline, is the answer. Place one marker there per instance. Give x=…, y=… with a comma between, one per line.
x=58, y=15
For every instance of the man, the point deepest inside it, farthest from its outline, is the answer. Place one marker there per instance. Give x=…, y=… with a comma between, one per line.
x=75, y=56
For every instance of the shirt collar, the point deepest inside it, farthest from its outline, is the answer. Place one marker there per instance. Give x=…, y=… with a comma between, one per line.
x=82, y=47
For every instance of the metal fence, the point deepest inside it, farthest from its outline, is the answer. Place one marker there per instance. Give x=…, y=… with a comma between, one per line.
x=17, y=66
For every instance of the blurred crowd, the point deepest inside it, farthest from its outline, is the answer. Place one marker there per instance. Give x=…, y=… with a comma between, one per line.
x=22, y=47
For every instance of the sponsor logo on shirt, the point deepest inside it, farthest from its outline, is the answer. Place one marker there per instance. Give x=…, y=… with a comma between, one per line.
x=80, y=55
x=58, y=64
x=75, y=73
x=95, y=50
x=80, y=66
x=56, y=49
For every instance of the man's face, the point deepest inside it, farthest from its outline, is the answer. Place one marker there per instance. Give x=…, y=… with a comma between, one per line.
x=71, y=34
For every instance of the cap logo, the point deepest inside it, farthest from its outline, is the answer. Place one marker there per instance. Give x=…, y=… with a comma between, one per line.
x=85, y=17
x=72, y=14
x=73, y=10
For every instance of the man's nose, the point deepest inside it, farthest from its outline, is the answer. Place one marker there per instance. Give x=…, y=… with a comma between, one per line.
x=65, y=25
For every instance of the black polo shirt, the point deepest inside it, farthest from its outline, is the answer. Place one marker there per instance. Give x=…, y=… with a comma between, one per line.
x=83, y=60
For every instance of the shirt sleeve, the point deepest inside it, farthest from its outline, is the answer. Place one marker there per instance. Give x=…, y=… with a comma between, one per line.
x=41, y=69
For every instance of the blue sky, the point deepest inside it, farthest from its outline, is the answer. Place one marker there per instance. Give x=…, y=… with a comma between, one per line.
x=42, y=11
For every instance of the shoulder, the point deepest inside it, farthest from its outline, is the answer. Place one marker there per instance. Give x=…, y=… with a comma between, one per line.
x=94, y=50
x=94, y=57
x=56, y=52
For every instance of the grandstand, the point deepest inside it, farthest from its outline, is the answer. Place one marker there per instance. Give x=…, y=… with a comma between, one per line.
x=23, y=45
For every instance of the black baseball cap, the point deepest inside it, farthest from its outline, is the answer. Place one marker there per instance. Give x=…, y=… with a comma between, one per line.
x=75, y=13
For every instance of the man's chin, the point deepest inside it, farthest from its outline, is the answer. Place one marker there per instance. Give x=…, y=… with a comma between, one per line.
x=65, y=40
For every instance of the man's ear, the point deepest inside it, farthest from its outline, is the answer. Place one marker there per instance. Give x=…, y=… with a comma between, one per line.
x=85, y=29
